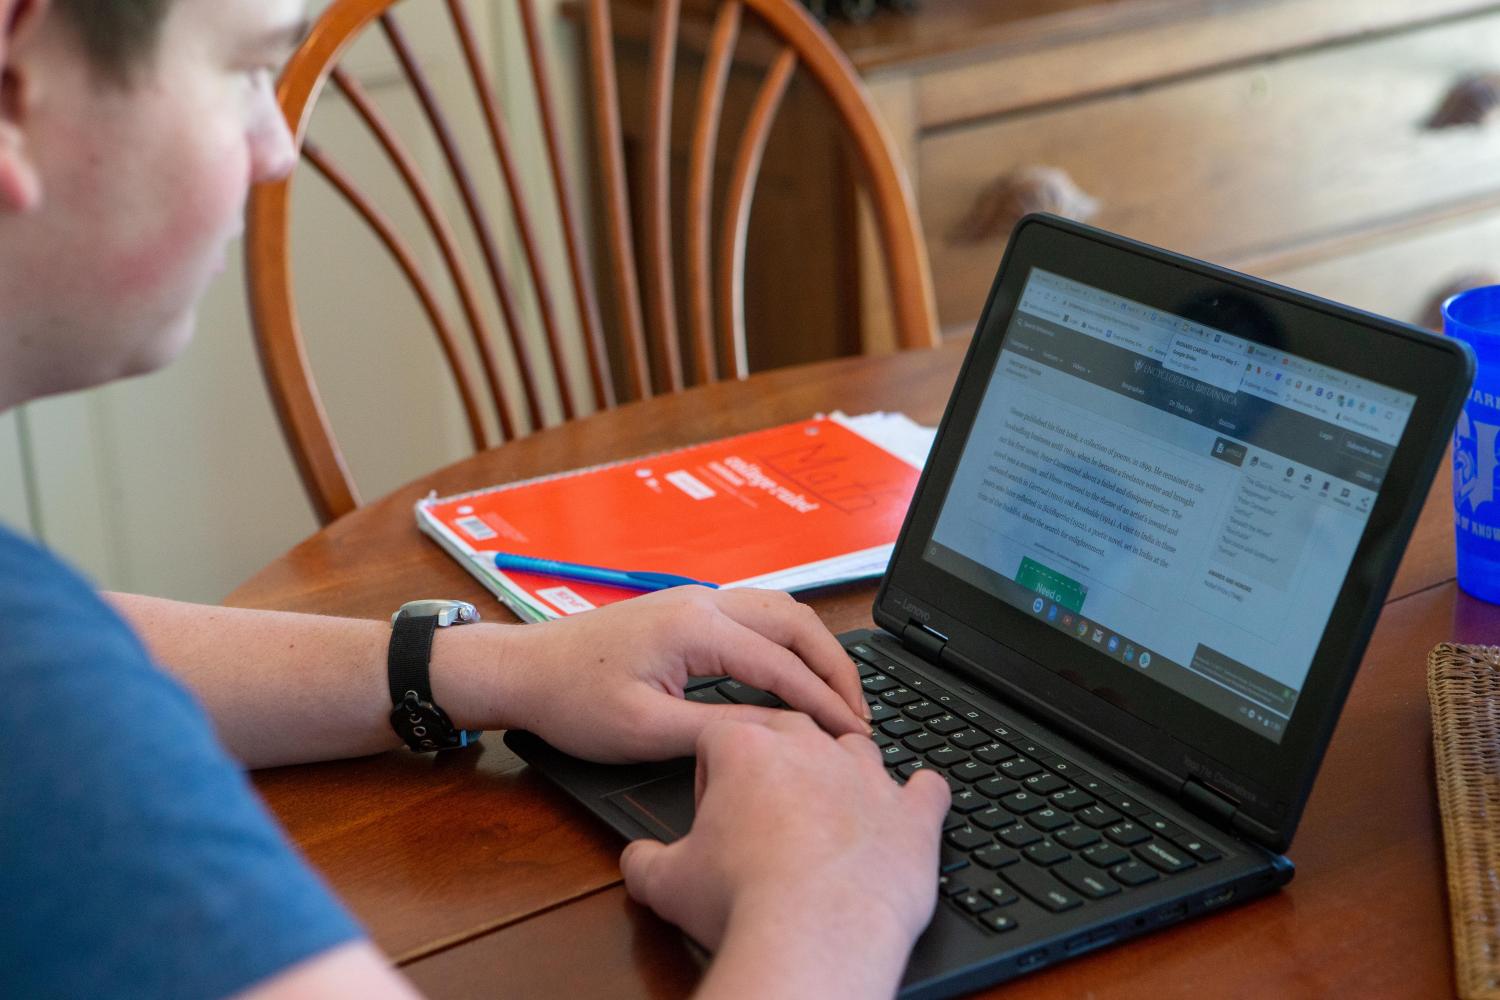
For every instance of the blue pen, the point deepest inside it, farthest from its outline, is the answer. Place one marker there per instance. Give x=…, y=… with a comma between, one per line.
x=596, y=574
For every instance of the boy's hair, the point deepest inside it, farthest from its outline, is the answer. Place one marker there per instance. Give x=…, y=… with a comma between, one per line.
x=117, y=35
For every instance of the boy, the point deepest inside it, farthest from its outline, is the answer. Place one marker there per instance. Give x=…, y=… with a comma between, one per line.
x=137, y=860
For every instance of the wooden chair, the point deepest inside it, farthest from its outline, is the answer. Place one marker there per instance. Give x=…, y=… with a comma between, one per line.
x=645, y=297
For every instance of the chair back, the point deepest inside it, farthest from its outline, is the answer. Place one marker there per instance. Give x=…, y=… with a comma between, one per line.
x=508, y=381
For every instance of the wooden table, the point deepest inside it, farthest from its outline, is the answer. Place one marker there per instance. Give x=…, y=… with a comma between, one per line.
x=481, y=880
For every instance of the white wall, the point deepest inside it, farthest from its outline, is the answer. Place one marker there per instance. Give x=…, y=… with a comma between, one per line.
x=15, y=508
x=179, y=483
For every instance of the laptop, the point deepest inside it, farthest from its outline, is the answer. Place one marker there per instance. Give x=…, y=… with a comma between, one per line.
x=1155, y=531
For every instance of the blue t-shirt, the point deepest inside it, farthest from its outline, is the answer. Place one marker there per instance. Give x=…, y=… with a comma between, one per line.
x=135, y=859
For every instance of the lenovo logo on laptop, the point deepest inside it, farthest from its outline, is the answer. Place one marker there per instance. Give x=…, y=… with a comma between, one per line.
x=918, y=612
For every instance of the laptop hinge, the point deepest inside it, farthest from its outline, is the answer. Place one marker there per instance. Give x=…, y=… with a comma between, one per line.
x=1209, y=801
x=925, y=642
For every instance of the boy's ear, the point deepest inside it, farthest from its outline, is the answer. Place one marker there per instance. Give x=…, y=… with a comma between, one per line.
x=20, y=187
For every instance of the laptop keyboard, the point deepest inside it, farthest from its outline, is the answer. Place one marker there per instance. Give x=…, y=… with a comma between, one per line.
x=1025, y=822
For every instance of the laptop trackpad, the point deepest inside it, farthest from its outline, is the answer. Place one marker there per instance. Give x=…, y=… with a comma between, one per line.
x=664, y=806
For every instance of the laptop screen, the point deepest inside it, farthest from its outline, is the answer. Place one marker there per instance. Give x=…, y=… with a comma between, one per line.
x=1183, y=500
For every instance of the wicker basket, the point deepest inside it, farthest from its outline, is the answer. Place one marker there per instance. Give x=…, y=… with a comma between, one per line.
x=1463, y=686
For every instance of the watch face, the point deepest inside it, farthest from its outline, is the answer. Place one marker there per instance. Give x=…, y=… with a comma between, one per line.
x=446, y=612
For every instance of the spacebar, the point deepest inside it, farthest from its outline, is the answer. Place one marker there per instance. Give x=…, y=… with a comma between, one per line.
x=1040, y=886
x=744, y=694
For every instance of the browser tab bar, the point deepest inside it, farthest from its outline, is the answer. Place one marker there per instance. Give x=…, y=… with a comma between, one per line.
x=1217, y=358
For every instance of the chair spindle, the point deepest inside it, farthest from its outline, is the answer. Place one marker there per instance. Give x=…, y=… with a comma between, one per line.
x=736, y=223
x=580, y=273
x=463, y=180
x=500, y=141
x=406, y=260
x=661, y=299
x=606, y=95
x=441, y=231
x=700, y=202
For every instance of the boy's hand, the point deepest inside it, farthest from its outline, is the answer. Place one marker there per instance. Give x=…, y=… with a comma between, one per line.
x=608, y=685
x=805, y=858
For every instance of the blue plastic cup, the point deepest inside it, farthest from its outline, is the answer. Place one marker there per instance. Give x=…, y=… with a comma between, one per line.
x=1474, y=317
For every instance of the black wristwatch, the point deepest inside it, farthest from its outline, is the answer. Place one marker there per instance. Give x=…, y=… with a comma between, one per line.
x=417, y=720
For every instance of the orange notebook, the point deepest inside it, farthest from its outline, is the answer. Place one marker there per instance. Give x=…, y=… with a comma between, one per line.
x=792, y=507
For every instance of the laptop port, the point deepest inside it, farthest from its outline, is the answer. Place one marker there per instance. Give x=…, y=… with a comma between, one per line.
x=1093, y=939
x=1172, y=913
x=1031, y=959
x=1219, y=898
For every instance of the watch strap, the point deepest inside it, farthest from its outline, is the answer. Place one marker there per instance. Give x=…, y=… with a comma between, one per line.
x=409, y=660
x=421, y=724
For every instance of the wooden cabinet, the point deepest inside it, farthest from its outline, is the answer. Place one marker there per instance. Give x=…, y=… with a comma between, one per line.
x=1300, y=140
x=1226, y=166
x=1313, y=141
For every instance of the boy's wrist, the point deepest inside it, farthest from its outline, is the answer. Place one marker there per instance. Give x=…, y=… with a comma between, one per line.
x=474, y=680
x=816, y=944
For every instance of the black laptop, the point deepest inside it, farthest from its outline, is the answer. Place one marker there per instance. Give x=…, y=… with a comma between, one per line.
x=1152, y=539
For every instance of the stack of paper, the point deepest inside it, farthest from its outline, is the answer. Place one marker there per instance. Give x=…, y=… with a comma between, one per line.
x=790, y=508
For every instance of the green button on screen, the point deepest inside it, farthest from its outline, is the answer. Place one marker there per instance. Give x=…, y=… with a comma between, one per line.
x=1051, y=584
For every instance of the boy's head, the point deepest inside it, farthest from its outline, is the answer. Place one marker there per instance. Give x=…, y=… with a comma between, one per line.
x=130, y=131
